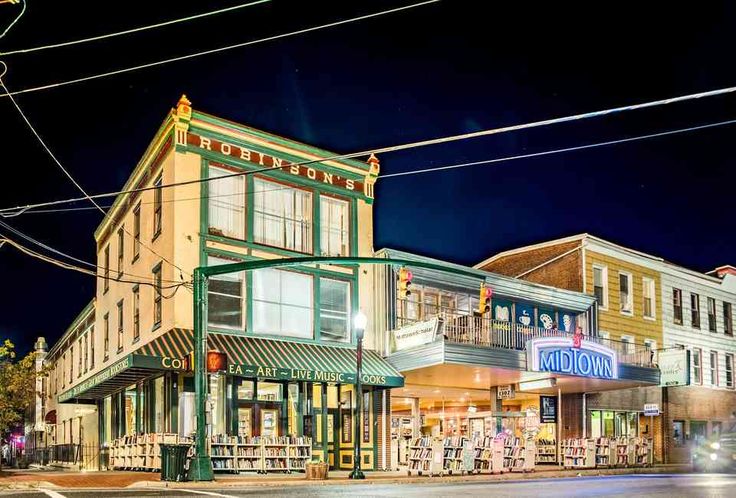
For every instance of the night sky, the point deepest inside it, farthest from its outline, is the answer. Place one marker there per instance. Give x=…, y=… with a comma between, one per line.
x=437, y=70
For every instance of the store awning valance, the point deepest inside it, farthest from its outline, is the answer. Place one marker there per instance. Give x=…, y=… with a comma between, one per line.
x=280, y=359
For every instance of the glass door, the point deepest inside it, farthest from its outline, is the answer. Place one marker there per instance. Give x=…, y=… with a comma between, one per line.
x=245, y=422
x=269, y=422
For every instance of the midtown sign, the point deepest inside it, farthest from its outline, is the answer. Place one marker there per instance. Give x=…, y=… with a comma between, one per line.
x=565, y=355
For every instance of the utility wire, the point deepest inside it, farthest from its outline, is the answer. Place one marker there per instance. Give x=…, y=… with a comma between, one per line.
x=22, y=11
x=71, y=178
x=558, y=151
x=221, y=49
x=133, y=30
x=19, y=210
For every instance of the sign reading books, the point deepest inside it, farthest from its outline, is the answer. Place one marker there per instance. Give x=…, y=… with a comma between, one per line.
x=548, y=409
x=674, y=367
x=572, y=356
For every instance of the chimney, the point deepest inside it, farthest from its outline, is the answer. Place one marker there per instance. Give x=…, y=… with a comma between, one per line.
x=722, y=271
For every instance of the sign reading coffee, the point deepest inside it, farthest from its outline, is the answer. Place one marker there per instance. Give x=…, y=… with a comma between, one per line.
x=562, y=355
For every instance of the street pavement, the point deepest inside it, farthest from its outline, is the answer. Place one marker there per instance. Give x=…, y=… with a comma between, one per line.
x=643, y=485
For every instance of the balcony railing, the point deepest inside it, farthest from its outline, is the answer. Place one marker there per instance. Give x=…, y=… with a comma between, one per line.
x=486, y=332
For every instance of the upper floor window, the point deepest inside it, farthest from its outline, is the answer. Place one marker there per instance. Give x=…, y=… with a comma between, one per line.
x=629, y=346
x=71, y=363
x=677, y=306
x=650, y=300
x=697, y=360
x=120, y=325
x=82, y=352
x=92, y=347
x=600, y=285
x=282, y=303
x=652, y=345
x=136, y=313
x=334, y=226
x=334, y=313
x=282, y=216
x=61, y=372
x=713, y=368
x=157, y=296
x=136, y=231
x=157, y=206
x=695, y=310
x=225, y=297
x=226, y=203
x=712, y=315
x=106, y=269
x=106, y=335
x=729, y=371
x=625, y=293
x=727, y=318
x=121, y=250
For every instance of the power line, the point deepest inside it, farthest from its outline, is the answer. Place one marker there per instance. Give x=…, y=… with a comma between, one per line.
x=68, y=266
x=71, y=178
x=558, y=151
x=63, y=254
x=133, y=30
x=22, y=11
x=217, y=50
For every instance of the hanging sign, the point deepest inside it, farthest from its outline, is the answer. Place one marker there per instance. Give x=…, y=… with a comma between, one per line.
x=572, y=356
x=416, y=334
x=674, y=368
x=548, y=409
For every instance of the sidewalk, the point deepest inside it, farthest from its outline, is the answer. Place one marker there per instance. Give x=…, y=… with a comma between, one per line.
x=24, y=479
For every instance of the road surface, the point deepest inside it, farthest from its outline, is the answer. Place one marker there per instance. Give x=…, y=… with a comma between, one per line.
x=659, y=485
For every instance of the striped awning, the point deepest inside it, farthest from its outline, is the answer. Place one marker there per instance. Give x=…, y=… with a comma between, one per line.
x=280, y=359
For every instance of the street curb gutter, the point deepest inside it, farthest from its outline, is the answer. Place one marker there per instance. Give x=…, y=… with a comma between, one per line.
x=486, y=479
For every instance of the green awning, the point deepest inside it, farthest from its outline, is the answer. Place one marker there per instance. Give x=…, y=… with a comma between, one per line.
x=280, y=359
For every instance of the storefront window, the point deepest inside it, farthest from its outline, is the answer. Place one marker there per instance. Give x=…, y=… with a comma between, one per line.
x=595, y=424
x=678, y=432
x=633, y=424
x=225, y=297
x=217, y=400
x=621, y=424
x=282, y=303
x=334, y=296
x=107, y=419
x=130, y=410
x=159, y=401
x=269, y=391
x=293, y=408
x=608, y=428
x=245, y=390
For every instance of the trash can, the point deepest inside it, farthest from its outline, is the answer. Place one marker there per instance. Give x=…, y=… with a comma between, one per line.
x=173, y=461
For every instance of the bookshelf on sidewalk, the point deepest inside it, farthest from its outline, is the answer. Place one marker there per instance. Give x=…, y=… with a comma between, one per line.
x=604, y=452
x=260, y=454
x=141, y=451
x=546, y=451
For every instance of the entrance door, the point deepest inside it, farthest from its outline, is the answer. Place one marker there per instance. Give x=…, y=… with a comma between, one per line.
x=333, y=445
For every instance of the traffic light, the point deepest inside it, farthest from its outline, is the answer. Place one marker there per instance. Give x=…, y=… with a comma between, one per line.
x=405, y=277
x=484, y=302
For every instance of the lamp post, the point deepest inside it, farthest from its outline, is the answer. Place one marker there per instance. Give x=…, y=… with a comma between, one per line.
x=359, y=323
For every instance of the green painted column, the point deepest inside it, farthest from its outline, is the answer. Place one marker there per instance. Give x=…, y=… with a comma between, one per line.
x=200, y=467
x=325, y=443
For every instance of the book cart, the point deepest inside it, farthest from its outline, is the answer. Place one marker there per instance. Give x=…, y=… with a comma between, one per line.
x=578, y=453
x=426, y=455
x=489, y=455
x=546, y=451
x=453, y=450
x=260, y=454
x=605, y=452
x=141, y=451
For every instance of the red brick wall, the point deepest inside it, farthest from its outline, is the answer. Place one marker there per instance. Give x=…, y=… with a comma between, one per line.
x=565, y=273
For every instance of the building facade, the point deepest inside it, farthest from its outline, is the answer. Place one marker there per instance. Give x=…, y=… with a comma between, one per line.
x=240, y=195
x=643, y=299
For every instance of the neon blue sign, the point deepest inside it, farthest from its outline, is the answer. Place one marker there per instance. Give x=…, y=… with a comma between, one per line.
x=559, y=355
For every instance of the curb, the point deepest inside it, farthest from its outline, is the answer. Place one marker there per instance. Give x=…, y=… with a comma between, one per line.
x=483, y=478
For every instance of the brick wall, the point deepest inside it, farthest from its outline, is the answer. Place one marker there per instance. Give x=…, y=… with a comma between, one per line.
x=694, y=403
x=565, y=273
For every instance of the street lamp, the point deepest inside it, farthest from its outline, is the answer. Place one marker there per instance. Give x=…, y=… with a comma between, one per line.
x=359, y=323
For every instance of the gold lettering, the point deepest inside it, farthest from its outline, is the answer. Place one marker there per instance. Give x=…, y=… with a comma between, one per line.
x=166, y=362
x=341, y=378
x=225, y=148
x=294, y=169
x=311, y=173
x=327, y=178
x=245, y=154
x=204, y=143
x=350, y=184
x=260, y=158
x=277, y=162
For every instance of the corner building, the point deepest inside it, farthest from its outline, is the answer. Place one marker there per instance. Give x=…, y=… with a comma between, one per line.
x=287, y=333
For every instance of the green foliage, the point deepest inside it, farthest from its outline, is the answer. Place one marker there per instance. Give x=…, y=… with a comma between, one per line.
x=17, y=385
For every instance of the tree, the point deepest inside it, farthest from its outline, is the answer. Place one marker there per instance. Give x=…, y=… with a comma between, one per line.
x=17, y=385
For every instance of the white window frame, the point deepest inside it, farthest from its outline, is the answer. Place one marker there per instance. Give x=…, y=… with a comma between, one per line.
x=681, y=321
x=213, y=260
x=282, y=332
x=323, y=312
x=729, y=356
x=327, y=228
x=714, y=321
x=652, y=345
x=697, y=353
x=648, y=285
x=630, y=342
x=604, y=276
x=226, y=199
x=295, y=234
x=630, y=295
x=713, y=365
